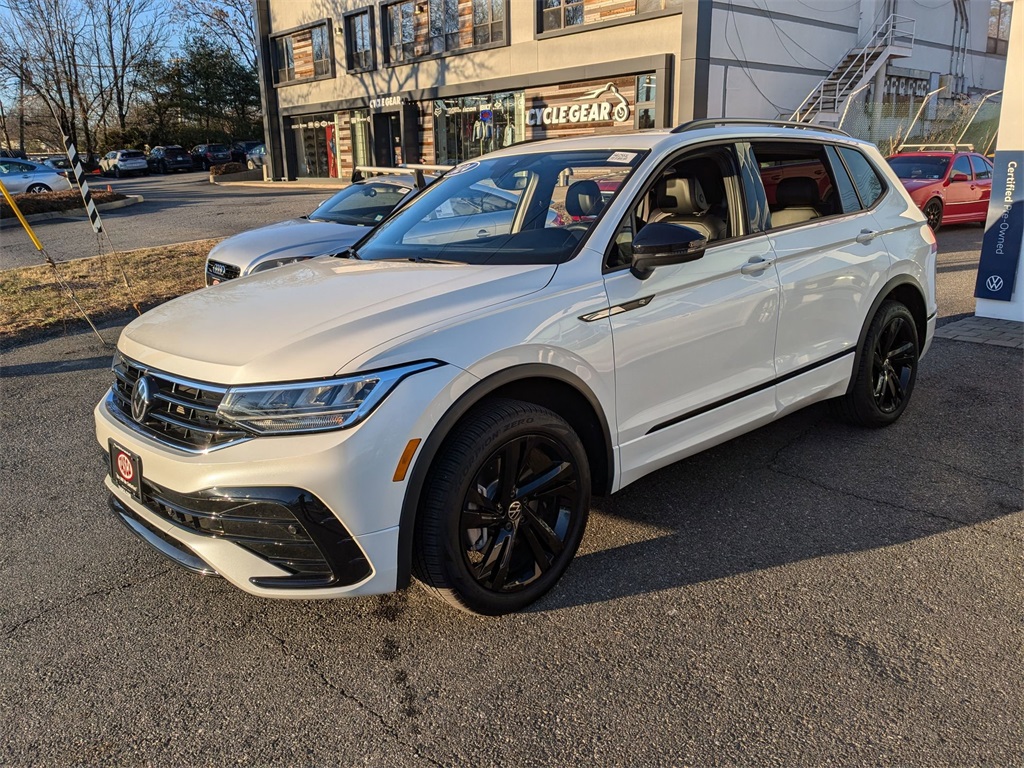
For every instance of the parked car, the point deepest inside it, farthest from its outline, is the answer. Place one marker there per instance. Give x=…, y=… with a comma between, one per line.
x=123, y=162
x=206, y=155
x=257, y=157
x=169, y=158
x=58, y=163
x=21, y=176
x=13, y=153
x=950, y=187
x=241, y=149
x=337, y=223
x=446, y=410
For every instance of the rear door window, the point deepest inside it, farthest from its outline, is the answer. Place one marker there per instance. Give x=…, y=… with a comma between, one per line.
x=847, y=192
x=982, y=170
x=865, y=178
x=798, y=182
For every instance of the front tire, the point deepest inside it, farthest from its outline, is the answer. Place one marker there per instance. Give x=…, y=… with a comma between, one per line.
x=933, y=212
x=504, y=510
x=887, y=370
x=117, y=172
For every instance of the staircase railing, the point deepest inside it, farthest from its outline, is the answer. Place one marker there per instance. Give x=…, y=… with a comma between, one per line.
x=828, y=94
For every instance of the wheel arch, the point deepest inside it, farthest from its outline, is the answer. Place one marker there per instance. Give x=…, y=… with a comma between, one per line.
x=906, y=290
x=544, y=385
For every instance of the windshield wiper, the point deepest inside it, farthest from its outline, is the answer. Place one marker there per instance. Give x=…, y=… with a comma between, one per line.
x=425, y=260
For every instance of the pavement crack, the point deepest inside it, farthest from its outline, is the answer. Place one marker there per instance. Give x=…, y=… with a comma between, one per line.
x=11, y=630
x=332, y=685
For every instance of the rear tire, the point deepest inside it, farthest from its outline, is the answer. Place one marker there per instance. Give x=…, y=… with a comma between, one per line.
x=504, y=510
x=117, y=172
x=886, y=372
x=36, y=189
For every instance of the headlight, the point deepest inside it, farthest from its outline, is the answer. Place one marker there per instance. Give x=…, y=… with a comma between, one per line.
x=265, y=265
x=313, y=406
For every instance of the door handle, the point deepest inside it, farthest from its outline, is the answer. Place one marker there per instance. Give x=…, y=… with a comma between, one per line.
x=755, y=265
x=482, y=233
x=866, y=236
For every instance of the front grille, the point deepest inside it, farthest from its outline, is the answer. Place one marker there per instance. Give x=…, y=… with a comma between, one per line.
x=183, y=413
x=217, y=270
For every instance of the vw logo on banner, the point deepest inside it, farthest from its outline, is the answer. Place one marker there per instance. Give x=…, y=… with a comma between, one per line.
x=994, y=283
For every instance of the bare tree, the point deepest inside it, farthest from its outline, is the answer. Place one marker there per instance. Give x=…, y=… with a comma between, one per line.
x=228, y=22
x=126, y=34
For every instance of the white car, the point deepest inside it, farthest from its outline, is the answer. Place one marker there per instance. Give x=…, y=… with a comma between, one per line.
x=337, y=223
x=122, y=162
x=446, y=411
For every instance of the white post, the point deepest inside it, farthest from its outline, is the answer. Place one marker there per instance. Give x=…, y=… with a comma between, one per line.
x=999, y=289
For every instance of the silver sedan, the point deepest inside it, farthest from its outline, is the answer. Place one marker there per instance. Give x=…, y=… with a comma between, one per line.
x=20, y=176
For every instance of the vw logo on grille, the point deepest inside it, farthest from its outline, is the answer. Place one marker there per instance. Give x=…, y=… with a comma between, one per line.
x=142, y=398
x=994, y=283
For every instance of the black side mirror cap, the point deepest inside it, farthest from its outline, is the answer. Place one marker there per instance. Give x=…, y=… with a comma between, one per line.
x=660, y=244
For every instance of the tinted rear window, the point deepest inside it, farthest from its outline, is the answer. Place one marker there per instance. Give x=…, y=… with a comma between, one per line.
x=217, y=148
x=864, y=176
x=132, y=154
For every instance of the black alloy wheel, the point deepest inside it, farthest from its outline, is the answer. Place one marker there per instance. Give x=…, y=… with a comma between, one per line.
x=163, y=167
x=886, y=371
x=933, y=212
x=504, y=509
x=517, y=512
x=117, y=172
x=893, y=364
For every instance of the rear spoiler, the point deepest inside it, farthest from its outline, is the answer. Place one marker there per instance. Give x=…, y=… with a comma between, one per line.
x=418, y=171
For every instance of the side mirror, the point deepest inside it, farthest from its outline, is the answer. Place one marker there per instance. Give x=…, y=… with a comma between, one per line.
x=958, y=176
x=660, y=244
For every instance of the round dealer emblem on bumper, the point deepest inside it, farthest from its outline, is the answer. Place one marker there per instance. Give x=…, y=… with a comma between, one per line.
x=125, y=468
x=142, y=398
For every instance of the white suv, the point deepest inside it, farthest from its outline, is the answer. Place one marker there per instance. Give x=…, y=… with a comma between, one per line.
x=446, y=410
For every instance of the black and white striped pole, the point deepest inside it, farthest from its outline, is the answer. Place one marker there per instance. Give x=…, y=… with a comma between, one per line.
x=83, y=185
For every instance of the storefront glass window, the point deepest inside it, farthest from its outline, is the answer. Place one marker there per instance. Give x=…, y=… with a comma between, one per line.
x=645, y=90
x=472, y=126
x=315, y=146
x=362, y=153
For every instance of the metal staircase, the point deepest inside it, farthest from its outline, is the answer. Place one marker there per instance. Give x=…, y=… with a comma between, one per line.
x=892, y=39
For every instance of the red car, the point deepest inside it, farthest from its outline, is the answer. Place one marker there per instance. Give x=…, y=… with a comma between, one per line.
x=949, y=187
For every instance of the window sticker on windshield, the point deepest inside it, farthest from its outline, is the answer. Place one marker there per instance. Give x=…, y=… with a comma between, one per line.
x=378, y=217
x=463, y=168
x=622, y=157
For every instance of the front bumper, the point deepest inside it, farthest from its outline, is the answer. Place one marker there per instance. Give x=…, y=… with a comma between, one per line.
x=347, y=477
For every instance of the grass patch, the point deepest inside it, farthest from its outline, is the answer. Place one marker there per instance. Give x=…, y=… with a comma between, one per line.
x=50, y=202
x=32, y=301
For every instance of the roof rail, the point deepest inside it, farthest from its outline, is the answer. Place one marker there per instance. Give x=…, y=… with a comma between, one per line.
x=416, y=169
x=711, y=122
x=934, y=147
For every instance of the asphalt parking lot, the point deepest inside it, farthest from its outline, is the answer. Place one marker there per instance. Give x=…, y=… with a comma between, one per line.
x=178, y=207
x=807, y=593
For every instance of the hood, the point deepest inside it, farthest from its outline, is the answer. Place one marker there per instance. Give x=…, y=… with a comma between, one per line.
x=308, y=320
x=292, y=238
x=912, y=185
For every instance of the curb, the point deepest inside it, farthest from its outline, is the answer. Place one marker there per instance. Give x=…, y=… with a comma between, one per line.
x=72, y=213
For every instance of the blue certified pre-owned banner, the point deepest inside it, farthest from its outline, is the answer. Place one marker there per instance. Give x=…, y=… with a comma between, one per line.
x=1000, y=250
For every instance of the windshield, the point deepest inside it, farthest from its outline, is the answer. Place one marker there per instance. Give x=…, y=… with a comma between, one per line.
x=920, y=167
x=521, y=209
x=362, y=205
